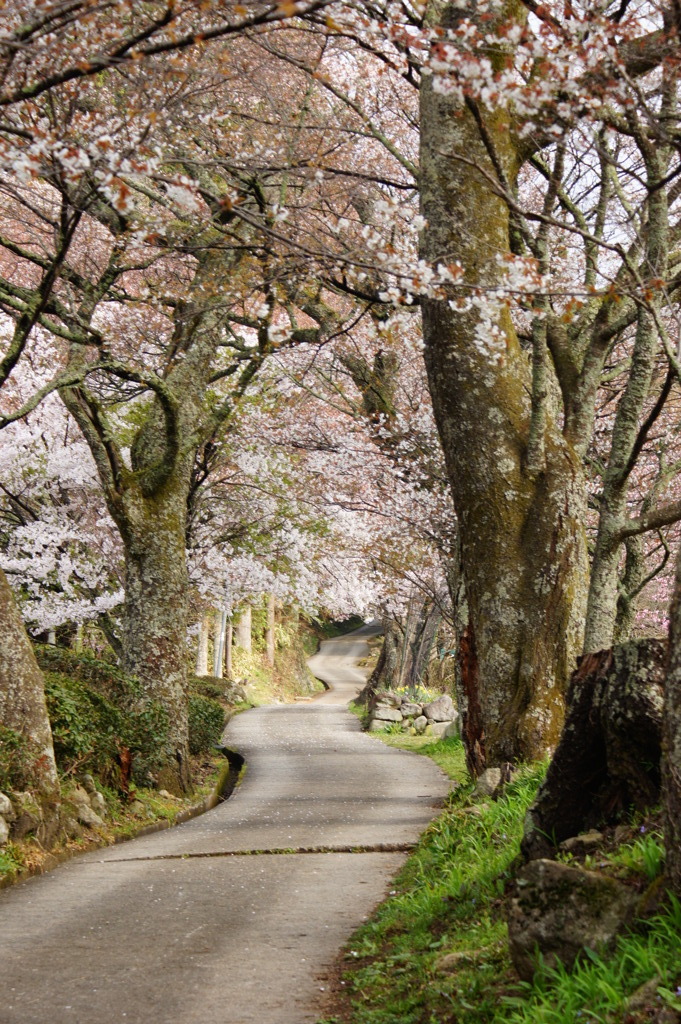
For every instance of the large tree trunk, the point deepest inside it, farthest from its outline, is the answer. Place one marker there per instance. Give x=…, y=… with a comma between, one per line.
x=22, y=705
x=671, y=736
x=517, y=485
x=608, y=758
x=155, y=617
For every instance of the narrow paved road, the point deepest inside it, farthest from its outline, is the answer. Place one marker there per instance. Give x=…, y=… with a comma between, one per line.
x=232, y=917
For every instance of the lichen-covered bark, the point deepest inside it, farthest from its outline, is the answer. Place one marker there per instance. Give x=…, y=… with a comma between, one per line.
x=155, y=615
x=521, y=526
x=22, y=699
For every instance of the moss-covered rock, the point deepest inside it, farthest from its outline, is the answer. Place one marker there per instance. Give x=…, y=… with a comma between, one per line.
x=559, y=911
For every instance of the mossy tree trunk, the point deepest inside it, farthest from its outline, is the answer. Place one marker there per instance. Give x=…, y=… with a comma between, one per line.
x=22, y=702
x=517, y=484
x=148, y=498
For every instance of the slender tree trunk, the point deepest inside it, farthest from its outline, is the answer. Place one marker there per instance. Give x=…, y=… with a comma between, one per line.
x=385, y=673
x=632, y=578
x=22, y=702
x=671, y=741
x=229, y=636
x=243, y=630
x=422, y=644
x=219, y=642
x=269, y=631
x=518, y=487
x=202, y=645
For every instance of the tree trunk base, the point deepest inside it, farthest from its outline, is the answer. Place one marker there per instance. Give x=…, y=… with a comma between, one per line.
x=608, y=757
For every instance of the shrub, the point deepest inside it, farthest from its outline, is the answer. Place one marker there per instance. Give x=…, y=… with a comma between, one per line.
x=208, y=686
x=15, y=762
x=206, y=722
x=89, y=729
x=110, y=681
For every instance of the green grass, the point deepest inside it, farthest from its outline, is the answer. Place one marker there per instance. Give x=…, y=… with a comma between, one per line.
x=447, y=753
x=436, y=951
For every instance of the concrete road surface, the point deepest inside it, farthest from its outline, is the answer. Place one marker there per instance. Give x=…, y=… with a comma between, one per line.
x=232, y=917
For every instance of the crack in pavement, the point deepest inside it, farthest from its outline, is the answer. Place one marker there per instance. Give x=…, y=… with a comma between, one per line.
x=273, y=851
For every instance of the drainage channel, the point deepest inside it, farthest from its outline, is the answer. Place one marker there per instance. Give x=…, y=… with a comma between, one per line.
x=276, y=851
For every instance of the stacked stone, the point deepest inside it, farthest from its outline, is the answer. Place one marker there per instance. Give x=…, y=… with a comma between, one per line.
x=438, y=719
x=20, y=813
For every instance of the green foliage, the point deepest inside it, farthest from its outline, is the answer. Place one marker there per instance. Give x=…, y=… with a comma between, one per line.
x=11, y=860
x=107, y=679
x=206, y=722
x=597, y=990
x=89, y=729
x=15, y=761
x=207, y=686
x=643, y=857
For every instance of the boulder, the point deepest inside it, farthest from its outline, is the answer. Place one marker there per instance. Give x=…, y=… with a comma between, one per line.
x=411, y=710
x=376, y=726
x=98, y=803
x=389, y=697
x=438, y=730
x=71, y=828
x=79, y=795
x=387, y=714
x=454, y=727
x=4, y=831
x=6, y=809
x=420, y=724
x=86, y=816
x=487, y=783
x=560, y=910
x=88, y=784
x=583, y=843
x=28, y=815
x=440, y=710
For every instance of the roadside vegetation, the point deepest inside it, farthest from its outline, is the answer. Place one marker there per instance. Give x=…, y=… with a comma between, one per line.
x=436, y=951
x=108, y=734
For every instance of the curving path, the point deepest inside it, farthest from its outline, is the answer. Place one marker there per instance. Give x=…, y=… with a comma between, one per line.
x=230, y=918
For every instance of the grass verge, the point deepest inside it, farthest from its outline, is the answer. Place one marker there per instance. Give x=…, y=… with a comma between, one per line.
x=436, y=951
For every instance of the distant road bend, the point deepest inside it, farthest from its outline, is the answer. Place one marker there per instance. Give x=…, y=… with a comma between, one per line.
x=233, y=917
